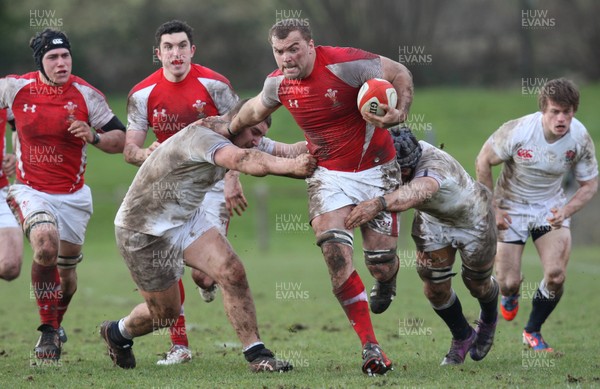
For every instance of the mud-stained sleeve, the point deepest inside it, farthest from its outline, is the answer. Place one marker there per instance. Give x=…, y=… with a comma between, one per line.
x=99, y=113
x=503, y=140
x=266, y=145
x=222, y=95
x=203, y=143
x=586, y=167
x=270, y=92
x=137, y=110
x=9, y=87
x=357, y=72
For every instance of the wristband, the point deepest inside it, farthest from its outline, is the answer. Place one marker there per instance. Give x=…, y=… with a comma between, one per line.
x=382, y=202
x=229, y=131
x=96, y=139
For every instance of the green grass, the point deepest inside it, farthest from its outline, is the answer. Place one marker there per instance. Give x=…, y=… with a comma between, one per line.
x=311, y=330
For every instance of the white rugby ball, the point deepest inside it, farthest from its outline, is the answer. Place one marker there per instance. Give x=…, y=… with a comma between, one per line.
x=374, y=92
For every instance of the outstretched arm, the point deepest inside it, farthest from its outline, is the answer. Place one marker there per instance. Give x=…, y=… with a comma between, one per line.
x=260, y=164
x=251, y=113
x=406, y=197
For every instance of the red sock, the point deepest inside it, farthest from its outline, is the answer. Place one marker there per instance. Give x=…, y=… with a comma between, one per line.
x=45, y=283
x=178, y=334
x=61, y=309
x=353, y=298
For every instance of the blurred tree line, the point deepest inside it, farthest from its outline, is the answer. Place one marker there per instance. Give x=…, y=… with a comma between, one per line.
x=460, y=42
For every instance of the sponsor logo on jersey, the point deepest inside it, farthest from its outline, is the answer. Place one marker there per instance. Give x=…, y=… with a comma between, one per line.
x=525, y=153
x=27, y=108
x=293, y=103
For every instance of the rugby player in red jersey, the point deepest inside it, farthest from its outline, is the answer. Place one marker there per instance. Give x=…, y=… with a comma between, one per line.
x=57, y=116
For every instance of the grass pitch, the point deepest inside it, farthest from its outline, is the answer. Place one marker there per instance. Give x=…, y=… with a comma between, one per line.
x=299, y=317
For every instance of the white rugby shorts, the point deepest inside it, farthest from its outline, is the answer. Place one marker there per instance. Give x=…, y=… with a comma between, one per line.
x=7, y=219
x=329, y=190
x=72, y=210
x=527, y=217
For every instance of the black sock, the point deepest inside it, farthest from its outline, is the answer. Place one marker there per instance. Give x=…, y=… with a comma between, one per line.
x=489, y=308
x=542, y=307
x=454, y=319
x=256, y=351
x=115, y=335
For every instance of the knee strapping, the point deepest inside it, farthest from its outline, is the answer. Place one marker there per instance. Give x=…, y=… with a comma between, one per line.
x=38, y=218
x=377, y=257
x=69, y=262
x=335, y=236
x=436, y=274
x=476, y=275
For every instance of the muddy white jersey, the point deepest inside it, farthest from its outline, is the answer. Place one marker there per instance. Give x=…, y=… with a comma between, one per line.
x=533, y=168
x=460, y=200
x=170, y=186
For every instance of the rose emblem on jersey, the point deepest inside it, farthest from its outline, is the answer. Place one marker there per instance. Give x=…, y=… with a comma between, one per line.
x=70, y=107
x=570, y=156
x=332, y=95
x=525, y=153
x=199, y=105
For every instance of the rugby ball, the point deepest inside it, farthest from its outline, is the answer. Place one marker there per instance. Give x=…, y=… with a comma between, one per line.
x=374, y=92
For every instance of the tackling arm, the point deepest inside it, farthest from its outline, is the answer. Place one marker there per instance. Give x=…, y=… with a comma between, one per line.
x=406, y=197
x=260, y=164
x=251, y=113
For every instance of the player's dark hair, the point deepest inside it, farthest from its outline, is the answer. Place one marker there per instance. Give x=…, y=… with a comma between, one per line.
x=284, y=27
x=172, y=27
x=236, y=108
x=560, y=91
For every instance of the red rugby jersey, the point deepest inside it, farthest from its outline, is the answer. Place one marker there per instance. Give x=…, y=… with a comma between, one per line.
x=168, y=106
x=324, y=106
x=3, y=116
x=49, y=158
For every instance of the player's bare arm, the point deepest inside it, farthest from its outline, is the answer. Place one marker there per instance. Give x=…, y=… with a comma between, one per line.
x=290, y=150
x=406, y=197
x=401, y=79
x=587, y=190
x=111, y=142
x=260, y=164
x=486, y=159
x=9, y=164
x=251, y=113
x=235, y=201
x=134, y=152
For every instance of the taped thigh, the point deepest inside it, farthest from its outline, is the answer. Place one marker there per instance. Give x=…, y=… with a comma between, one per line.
x=36, y=219
x=435, y=274
x=69, y=262
x=335, y=236
x=377, y=257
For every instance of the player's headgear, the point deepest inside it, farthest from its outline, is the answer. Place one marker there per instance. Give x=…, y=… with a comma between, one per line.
x=45, y=41
x=408, y=149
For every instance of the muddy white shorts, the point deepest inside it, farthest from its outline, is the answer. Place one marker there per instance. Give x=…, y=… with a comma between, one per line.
x=329, y=190
x=7, y=219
